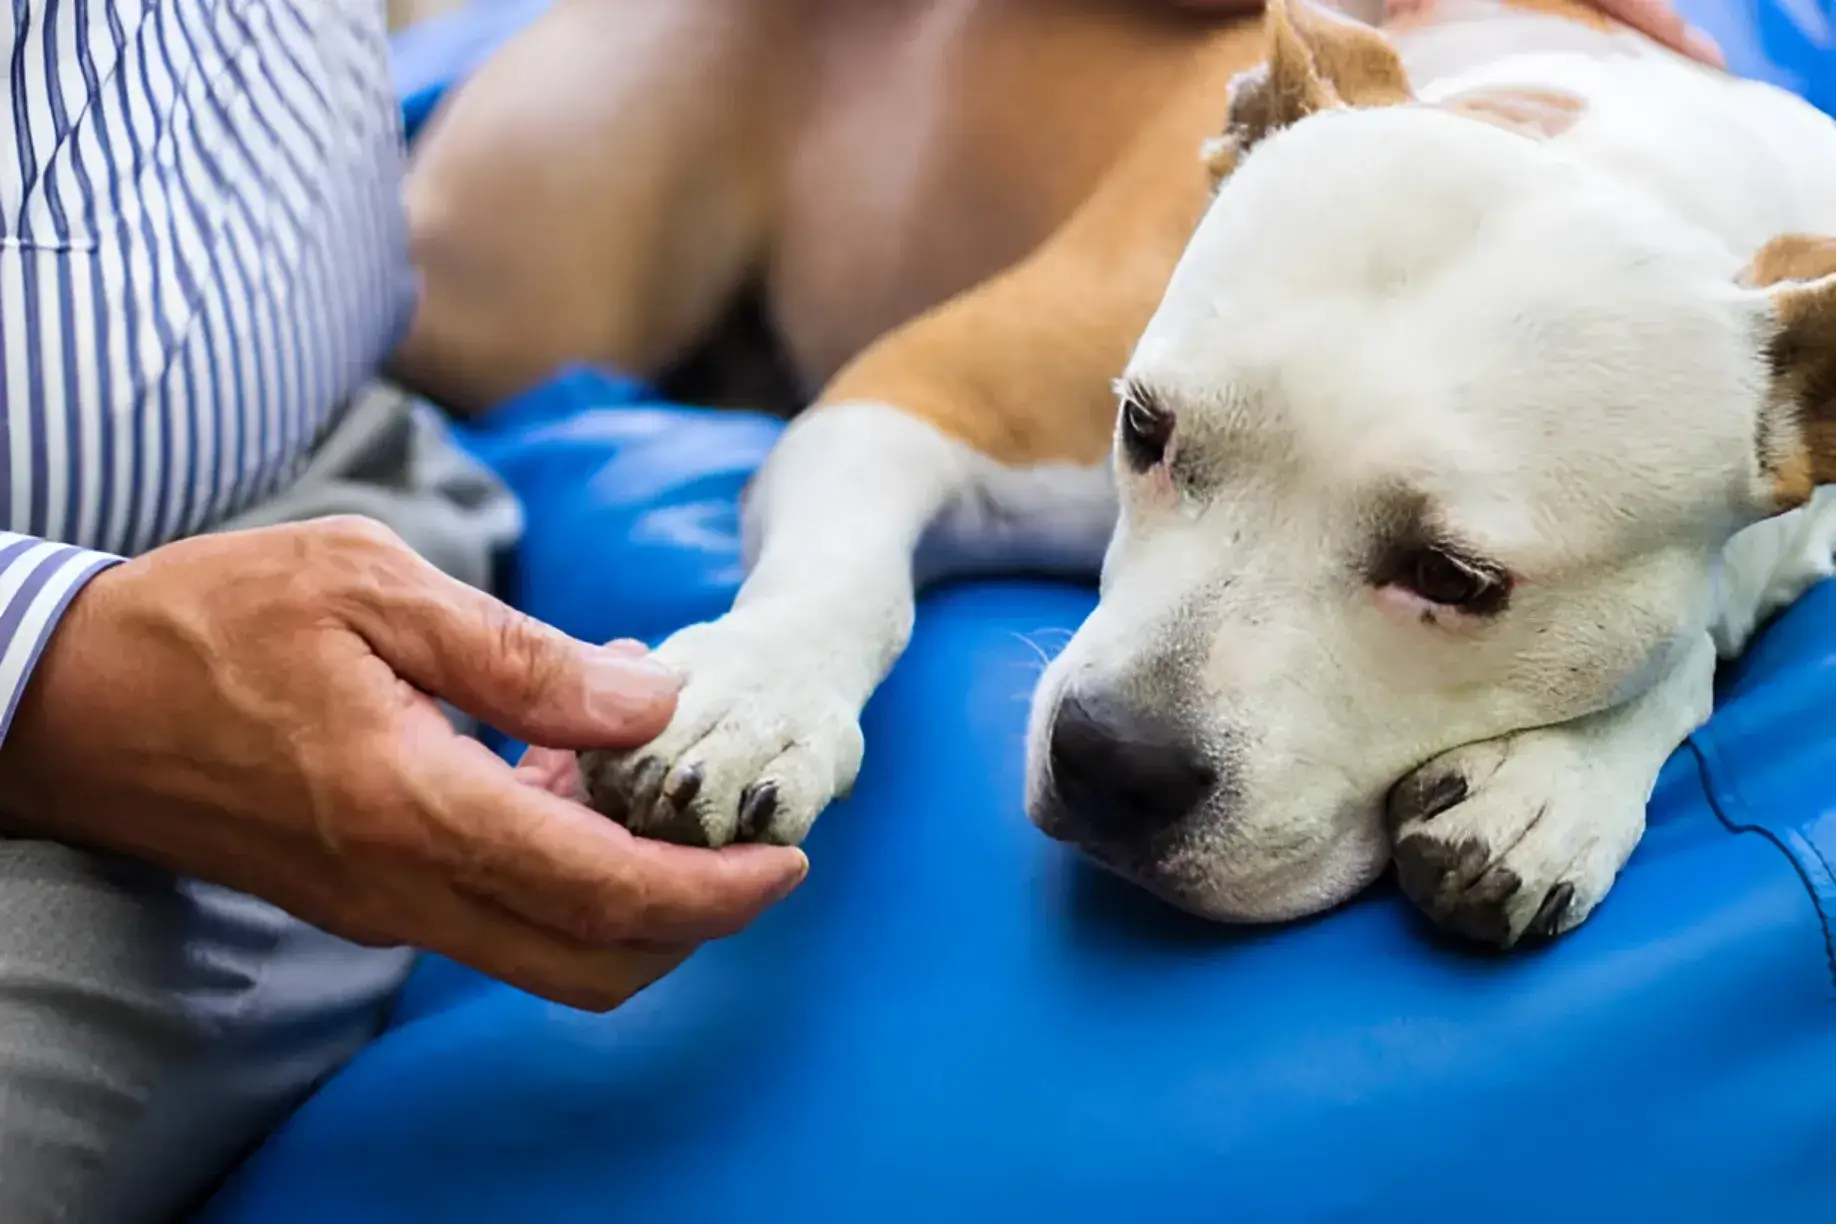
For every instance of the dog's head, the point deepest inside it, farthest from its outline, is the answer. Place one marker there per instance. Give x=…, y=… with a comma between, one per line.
x=1436, y=435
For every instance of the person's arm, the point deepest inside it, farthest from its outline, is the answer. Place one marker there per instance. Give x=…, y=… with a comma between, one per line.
x=38, y=579
x=257, y=709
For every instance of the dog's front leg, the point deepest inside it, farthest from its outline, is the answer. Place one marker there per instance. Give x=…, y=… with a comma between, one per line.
x=992, y=460
x=858, y=503
x=1523, y=835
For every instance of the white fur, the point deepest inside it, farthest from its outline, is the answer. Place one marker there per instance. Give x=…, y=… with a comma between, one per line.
x=1546, y=342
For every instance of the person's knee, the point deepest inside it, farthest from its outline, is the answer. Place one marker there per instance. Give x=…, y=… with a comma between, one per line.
x=90, y=953
x=153, y=1028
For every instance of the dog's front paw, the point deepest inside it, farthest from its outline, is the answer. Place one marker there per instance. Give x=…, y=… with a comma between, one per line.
x=1520, y=836
x=760, y=743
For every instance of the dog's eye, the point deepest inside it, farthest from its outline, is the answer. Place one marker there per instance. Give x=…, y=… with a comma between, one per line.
x=1442, y=578
x=1146, y=430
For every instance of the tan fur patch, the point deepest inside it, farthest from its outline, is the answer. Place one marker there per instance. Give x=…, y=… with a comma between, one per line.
x=1358, y=64
x=1317, y=60
x=1022, y=366
x=1540, y=114
x=1798, y=434
x=1792, y=257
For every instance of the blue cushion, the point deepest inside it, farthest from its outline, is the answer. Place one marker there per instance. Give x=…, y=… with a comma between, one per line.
x=956, y=1019
x=1791, y=43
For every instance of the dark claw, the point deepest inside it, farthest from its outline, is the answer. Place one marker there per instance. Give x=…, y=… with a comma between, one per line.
x=1413, y=800
x=1453, y=886
x=682, y=827
x=756, y=808
x=1421, y=864
x=644, y=784
x=1434, y=873
x=599, y=777
x=1448, y=791
x=1479, y=913
x=1494, y=888
x=682, y=787
x=668, y=796
x=1548, y=921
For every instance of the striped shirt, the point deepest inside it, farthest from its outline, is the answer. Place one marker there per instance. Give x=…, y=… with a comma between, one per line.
x=201, y=256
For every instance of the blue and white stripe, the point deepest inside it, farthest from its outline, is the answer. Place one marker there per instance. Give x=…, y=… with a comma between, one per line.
x=201, y=256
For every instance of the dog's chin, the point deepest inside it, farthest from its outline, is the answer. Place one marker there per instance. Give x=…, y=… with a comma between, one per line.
x=1195, y=870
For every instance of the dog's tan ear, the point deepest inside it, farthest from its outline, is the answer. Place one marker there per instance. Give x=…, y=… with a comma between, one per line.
x=1797, y=431
x=1317, y=60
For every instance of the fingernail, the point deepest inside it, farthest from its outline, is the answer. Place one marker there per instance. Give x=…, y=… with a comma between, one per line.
x=618, y=683
x=796, y=878
x=626, y=648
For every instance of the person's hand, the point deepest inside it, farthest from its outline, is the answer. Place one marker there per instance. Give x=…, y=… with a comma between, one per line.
x=555, y=770
x=1658, y=20
x=256, y=709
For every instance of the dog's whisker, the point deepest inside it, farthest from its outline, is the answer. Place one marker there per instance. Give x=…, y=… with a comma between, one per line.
x=1045, y=659
x=1045, y=652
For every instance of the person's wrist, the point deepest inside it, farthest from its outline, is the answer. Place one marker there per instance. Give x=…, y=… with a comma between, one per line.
x=36, y=750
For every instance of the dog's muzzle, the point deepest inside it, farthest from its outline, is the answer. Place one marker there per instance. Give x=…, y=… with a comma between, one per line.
x=1124, y=779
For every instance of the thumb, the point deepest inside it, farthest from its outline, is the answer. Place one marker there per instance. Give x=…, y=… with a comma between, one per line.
x=523, y=677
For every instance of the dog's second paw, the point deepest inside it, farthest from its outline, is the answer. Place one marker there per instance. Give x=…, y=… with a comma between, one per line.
x=760, y=743
x=1520, y=836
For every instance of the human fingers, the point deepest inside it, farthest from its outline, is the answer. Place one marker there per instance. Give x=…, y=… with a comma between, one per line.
x=1659, y=19
x=521, y=676
x=562, y=865
x=486, y=937
x=555, y=770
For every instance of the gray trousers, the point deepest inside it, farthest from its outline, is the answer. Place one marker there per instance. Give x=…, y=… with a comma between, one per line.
x=152, y=1029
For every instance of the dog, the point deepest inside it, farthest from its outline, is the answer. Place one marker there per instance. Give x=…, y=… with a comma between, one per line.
x=1436, y=402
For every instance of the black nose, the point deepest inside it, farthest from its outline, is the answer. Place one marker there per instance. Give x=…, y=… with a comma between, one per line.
x=1121, y=774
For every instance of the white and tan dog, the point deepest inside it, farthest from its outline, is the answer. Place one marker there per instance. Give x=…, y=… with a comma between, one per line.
x=1484, y=403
